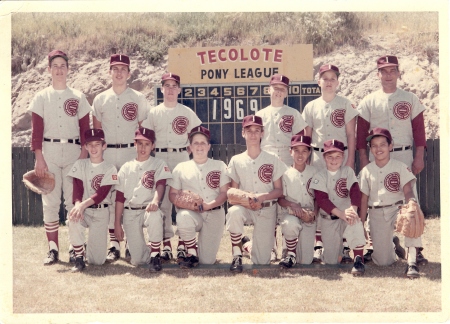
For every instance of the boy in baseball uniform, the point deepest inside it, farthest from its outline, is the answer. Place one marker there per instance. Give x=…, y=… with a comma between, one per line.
x=139, y=194
x=59, y=118
x=338, y=196
x=119, y=111
x=258, y=172
x=93, y=179
x=330, y=116
x=401, y=113
x=172, y=123
x=297, y=196
x=208, y=178
x=385, y=183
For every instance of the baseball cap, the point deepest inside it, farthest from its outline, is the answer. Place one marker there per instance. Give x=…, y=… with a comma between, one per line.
x=300, y=140
x=387, y=60
x=57, y=53
x=145, y=134
x=279, y=79
x=252, y=120
x=117, y=59
x=200, y=130
x=333, y=145
x=94, y=134
x=378, y=131
x=329, y=67
x=170, y=76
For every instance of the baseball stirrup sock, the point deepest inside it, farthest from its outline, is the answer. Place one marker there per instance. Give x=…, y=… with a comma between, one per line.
x=154, y=248
x=236, y=243
x=191, y=246
x=51, y=229
x=79, y=250
x=113, y=240
x=181, y=245
x=166, y=243
x=359, y=250
x=319, y=238
x=369, y=241
x=291, y=245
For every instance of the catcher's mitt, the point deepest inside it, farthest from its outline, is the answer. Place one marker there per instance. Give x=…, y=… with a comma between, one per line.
x=243, y=198
x=186, y=199
x=307, y=215
x=43, y=185
x=410, y=220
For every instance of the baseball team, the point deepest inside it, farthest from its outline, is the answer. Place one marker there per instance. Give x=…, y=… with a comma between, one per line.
x=123, y=174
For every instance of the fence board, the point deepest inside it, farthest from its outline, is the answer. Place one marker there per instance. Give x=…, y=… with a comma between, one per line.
x=437, y=177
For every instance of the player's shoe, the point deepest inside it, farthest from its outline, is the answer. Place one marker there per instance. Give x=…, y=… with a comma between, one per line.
x=318, y=254
x=155, y=263
x=358, y=267
x=79, y=265
x=72, y=257
x=113, y=255
x=236, y=264
x=288, y=262
x=399, y=250
x=190, y=261
x=346, y=259
x=412, y=271
x=420, y=259
x=368, y=256
x=273, y=255
x=246, y=246
x=52, y=257
x=181, y=254
x=166, y=254
x=127, y=255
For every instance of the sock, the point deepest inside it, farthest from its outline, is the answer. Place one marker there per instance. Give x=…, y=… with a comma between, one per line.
x=113, y=240
x=236, y=243
x=166, y=243
x=344, y=243
x=319, y=238
x=191, y=246
x=369, y=241
x=291, y=246
x=359, y=250
x=275, y=246
x=51, y=229
x=412, y=255
x=79, y=251
x=154, y=248
x=181, y=245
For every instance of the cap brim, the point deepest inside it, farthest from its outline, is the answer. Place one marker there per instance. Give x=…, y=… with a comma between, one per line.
x=337, y=73
x=55, y=56
x=300, y=144
x=334, y=150
x=279, y=82
x=386, y=65
x=369, y=138
x=92, y=139
x=194, y=133
x=140, y=137
x=118, y=63
x=251, y=124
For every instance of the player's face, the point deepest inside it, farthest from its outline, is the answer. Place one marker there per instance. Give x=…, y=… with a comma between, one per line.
x=143, y=149
x=252, y=134
x=277, y=94
x=300, y=154
x=334, y=160
x=199, y=146
x=388, y=77
x=380, y=148
x=95, y=149
x=58, y=69
x=119, y=74
x=170, y=90
x=328, y=82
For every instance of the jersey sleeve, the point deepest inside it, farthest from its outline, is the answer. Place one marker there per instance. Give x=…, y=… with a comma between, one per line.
x=224, y=178
x=77, y=170
x=417, y=106
x=84, y=107
x=142, y=108
x=148, y=121
x=307, y=115
x=406, y=175
x=351, y=177
x=121, y=176
x=299, y=123
x=319, y=182
x=231, y=171
x=194, y=120
x=350, y=112
x=110, y=177
x=364, y=181
x=279, y=169
x=97, y=108
x=36, y=105
x=162, y=172
x=363, y=109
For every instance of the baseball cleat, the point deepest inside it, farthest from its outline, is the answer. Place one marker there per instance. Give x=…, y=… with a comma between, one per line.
x=236, y=264
x=79, y=265
x=166, y=254
x=368, y=256
x=52, y=257
x=127, y=255
x=358, y=267
x=273, y=255
x=181, y=255
x=288, y=262
x=155, y=263
x=72, y=257
x=190, y=261
x=113, y=255
x=346, y=259
x=420, y=259
x=399, y=250
x=412, y=271
x=318, y=254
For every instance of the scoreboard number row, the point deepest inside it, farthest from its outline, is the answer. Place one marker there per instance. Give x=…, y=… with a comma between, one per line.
x=201, y=92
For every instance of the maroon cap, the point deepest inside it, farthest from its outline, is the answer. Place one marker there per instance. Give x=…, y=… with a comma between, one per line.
x=298, y=140
x=117, y=59
x=279, y=79
x=333, y=146
x=145, y=134
x=57, y=53
x=387, y=60
x=94, y=134
x=170, y=76
x=252, y=120
x=329, y=67
x=200, y=130
x=378, y=131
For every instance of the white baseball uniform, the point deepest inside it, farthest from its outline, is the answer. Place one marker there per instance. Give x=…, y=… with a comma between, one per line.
x=205, y=180
x=255, y=176
x=93, y=176
x=337, y=187
x=384, y=187
x=137, y=181
x=61, y=111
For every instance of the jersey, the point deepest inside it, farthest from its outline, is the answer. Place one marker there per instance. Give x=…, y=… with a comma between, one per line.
x=296, y=186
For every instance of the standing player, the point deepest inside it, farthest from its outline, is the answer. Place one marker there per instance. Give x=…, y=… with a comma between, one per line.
x=59, y=118
x=401, y=113
x=139, y=193
x=172, y=123
x=119, y=112
x=93, y=179
x=207, y=178
x=258, y=172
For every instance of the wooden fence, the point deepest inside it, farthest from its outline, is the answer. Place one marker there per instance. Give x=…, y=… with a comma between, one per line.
x=27, y=206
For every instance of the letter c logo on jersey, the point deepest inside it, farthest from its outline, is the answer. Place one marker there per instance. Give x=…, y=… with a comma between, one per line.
x=402, y=110
x=96, y=181
x=392, y=182
x=129, y=111
x=213, y=179
x=180, y=125
x=265, y=173
x=337, y=118
x=341, y=188
x=71, y=107
x=148, y=179
x=286, y=123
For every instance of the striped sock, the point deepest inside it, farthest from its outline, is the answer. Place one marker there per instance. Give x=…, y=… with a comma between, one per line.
x=359, y=250
x=113, y=240
x=181, y=245
x=51, y=229
x=319, y=238
x=154, y=248
x=369, y=241
x=191, y=246
x=166, y=243
x=79, y=250
x=236, y=243
x=291, y=245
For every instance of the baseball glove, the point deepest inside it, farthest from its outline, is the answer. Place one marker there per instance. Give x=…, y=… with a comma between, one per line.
x=410, y=220
x=307, y=215
x=243, y=198
x=186, y=199
x=42, y=185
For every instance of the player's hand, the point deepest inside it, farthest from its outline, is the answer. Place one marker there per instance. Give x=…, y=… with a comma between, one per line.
x=417, y=165
x=40, y=166
x=297, y=209
x=118, y=232
x=152, y=206
x=351, y=217
x=77, y=212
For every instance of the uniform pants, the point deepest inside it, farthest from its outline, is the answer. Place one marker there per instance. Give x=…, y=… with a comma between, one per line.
x=97, y=222
x=209, y=225
x=293, y=228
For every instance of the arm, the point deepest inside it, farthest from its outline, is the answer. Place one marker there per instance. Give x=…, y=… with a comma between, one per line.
x=37, y=137
x=159, y=194
x=364, y=206
x=407, y=190
x=274, y=194
x=351, y=142
x=362, y=131
x=118, y=231
x=308, y=131
x=296, y=208
x=418, y=163
x=77, y=212
x=220, y=199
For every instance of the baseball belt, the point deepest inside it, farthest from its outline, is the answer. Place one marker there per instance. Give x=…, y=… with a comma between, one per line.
x=119, y=145
x=321, y=149
x=168, y=149
x=332, y=217
x=403, y=148
x=98, y=206
x=136, y=208
x=62, y=140
x=400, y=202
x=268, y=204
x=216, y=208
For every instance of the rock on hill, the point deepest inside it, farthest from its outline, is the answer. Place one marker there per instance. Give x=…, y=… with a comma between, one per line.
x=420, y=75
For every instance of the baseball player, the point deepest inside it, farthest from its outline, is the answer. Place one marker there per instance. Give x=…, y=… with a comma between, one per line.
x=172, y=123
x=119, y=111
x=401, y=113
x=139, y=192
x=296, y=195
x=338, y=196
x=280, y=123
x=258, y=172
x=59, y=118
x=384, y=184
x=330, y=117
x=93, y=179
x=209, y=179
